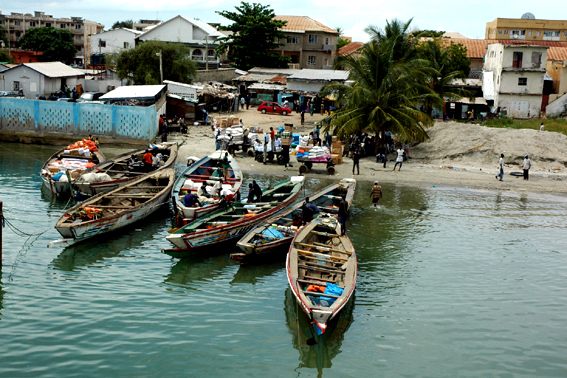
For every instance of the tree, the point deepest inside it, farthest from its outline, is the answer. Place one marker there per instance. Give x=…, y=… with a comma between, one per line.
x=128, y=24
x=429, y=33
x=140, y=65
x=56, y=44
x=342, y=41
x=3, y=36
x=387, y=88
x=254, y=34
x=5, y=56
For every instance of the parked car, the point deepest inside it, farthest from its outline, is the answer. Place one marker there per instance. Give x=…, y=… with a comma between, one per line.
x=66, y=99
x=9, y=94
x=90, y=96
x=273, y=107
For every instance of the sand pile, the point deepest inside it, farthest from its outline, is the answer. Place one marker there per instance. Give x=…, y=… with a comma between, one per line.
x=474, y=144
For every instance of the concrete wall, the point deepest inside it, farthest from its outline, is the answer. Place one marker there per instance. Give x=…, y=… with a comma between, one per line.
x=224, y=75
x=308, y=86
x=45, y=121
x=114, y=40
x=101, y=85
x=557, y=108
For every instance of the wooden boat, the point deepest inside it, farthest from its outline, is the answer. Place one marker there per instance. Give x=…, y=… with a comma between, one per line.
x=204, y=170
x=66, y=161
x=113, y=173
x=118, y=208
x=229, y=225
x=321, y=270
x=276, y=234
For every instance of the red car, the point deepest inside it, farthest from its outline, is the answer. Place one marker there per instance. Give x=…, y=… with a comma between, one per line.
x=273, y=107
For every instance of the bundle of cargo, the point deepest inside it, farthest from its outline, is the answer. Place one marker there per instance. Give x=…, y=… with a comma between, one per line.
x=337, y=150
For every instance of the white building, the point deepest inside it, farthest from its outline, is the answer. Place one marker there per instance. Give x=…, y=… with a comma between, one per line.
x=40, y=79
x=313, y=80
x=513, y=77
x=198, y=35
x=113, y=41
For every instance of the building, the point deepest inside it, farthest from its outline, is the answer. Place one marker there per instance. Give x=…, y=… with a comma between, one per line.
x=352, y=49
x=513, y=78
x=308, y=43
x=40, y=79
x=527, y=28
x=197, y=35
x=16, y=25
x=143, y=24
x=111, y=42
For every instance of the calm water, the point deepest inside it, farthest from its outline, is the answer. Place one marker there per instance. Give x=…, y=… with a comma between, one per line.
x=451, y=283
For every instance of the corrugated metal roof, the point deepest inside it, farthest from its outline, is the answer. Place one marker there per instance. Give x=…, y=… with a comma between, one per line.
x=302, y=24
x=52, y=69
x=274, y=71
x=267, y=86
x=319, y=75
x=133, y=91
x=557, y=53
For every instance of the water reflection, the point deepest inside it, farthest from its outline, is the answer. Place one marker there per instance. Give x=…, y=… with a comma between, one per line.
x=258, y=271
x=2, y=293
x=192, y=271
x=328, y=346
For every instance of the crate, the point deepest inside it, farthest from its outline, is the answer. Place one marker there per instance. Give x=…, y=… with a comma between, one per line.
x=338, y=151
x=286, y=141
x=335, y=139
x=335, y=158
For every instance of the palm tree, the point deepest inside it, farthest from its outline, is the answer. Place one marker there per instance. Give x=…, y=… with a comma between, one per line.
x=388, y=83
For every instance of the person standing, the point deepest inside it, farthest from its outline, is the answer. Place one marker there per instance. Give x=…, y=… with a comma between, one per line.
x=541, y=127
x=356, y=162
x=343, y=212
x=148, y=160
x=399, y=159
x=311, y=108
x=242, y=101
x=526, y=167
x=257, y=191
x=376, y=194
x=225, y=167
x=309, y=210
x=273, y=140
x=247, y=101
x=285, y=156
x=265, y=152
x=500, y=176
x=250, y=193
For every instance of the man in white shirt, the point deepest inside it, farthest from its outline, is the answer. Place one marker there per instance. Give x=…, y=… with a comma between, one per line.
x=501, y=166
x=526, y=167
x=399, y=159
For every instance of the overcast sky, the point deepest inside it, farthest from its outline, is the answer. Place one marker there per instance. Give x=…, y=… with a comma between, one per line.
x=468, y=18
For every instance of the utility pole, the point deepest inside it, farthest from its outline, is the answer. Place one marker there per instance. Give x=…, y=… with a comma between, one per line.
x=160, y=67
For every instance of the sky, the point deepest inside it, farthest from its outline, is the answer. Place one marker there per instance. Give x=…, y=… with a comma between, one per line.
x=469, y=20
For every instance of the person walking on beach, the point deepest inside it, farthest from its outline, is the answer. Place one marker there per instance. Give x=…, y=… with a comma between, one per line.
x=273, y=139
x=399, y=159
x=526, y=167
x=501, y=166
x=225, y=167
x=242, y=101
x=265, y=152
x=247, y=101
x=285, y=156
x=376, y=194
x=343, y=212
x=356, y=162
x=311, y=108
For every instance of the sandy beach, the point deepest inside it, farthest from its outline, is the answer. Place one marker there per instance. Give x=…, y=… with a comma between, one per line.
x=456, y=156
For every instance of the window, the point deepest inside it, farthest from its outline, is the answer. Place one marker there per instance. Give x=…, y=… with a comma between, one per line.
x=499, y=32
x=48, y=24
x=16, y=86
x=78, y=27
x=327, y=41
x=126, y=45
x=63, y=26
x=18, y=34
x=293, y=40
x=101, y=43
x=32, y=24
x=536, y=59
x=211, y=53
x=505, y=32
x=522, y=81
x=312, y=39
x=539, y=34
x=531, y=33
x=517, y=59
x=17, y=23
x=564, y=34
x=311, y=60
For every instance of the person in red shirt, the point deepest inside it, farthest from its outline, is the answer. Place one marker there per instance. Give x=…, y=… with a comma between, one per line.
x=273, y=139
x=147, y=159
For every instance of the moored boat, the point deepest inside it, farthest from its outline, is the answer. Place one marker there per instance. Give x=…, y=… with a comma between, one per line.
x=123, y=169
x=227, y=225
x=205, y=170
x=321, y=270
x=276, y=234
x=65, y=165
x=115, y=209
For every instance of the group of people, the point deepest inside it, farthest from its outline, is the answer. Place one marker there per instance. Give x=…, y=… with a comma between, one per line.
x=526, y=166
x=150, y=159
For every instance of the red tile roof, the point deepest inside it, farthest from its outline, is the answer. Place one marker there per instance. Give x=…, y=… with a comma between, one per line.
x=301, y=24
x=476, y=48
x=350, y=48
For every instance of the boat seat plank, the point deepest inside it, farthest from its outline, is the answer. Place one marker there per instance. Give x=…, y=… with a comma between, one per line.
x=146, y=187
x=321, y=268
x=323, y=234
x=134, y=195
x=318, y=294
x=322, y=248
x=112, y=207
x=304, y=252
x=321, y=259
x=204, y=167
x=318, y=281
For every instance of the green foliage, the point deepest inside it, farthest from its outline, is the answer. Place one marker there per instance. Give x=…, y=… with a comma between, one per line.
x=5, y=56
x=141, y=64
x=458, y=58
x=428, y=33
x=56, y=44
x=255, y=33
x=388, y=85
x=558, y=125
x=128, y=24
x=342, y=43
x=3, y=36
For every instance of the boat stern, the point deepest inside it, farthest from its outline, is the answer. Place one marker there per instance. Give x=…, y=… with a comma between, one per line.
x=320, y=319
x=177, y=240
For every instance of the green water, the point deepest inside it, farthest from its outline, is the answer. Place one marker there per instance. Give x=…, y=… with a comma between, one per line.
x=451, y=283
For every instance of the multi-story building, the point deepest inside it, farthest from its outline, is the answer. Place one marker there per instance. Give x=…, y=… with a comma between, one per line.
x=16, y=25
x=143, y=24
x=112, y=42
x=527, y=28
x=513, y=78
x=308, y=43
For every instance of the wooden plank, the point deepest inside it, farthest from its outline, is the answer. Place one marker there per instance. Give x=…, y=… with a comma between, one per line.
x=319, y=294
x=145, y=187
x=322, y=247
x=324, y=234
x=320, y=259
x=309, y=253
x=321, y=268
x=203, y=167
x=321, y=283
x=112, y=207
x=125, y=172
x=133, y=195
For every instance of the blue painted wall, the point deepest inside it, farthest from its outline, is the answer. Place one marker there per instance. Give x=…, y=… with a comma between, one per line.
x=78, y=119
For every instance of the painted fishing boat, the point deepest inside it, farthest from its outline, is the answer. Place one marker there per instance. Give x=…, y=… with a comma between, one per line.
x=66, y=165
x=321, y=270
x=123, y=169
x=190, y=181
x=229, y=224
x=275, y=235
x=115, y=209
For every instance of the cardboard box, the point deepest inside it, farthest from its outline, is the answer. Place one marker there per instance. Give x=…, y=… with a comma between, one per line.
x=338, y=151
x=335, y=158
x=286, y=142
x=337, y=144
x=288, y=128
x=306, y=148
x=335, y=139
